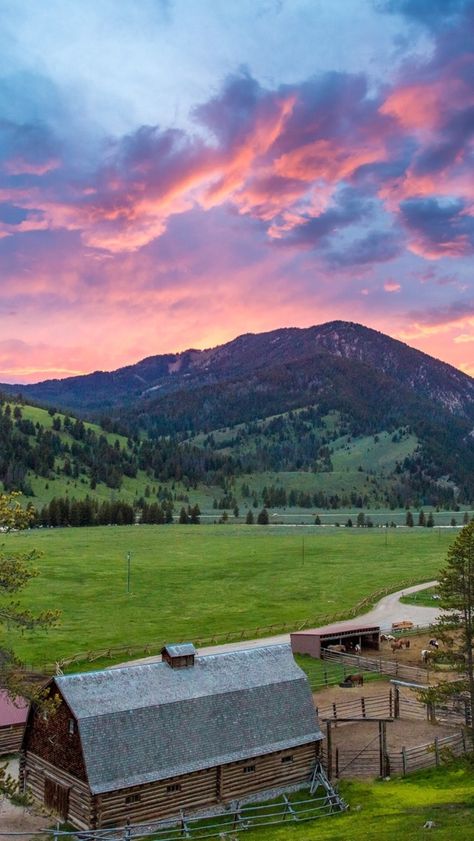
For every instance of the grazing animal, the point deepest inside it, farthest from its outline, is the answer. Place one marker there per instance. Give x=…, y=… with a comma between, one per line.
x=434, y=643
x=340, y=649
x=355, y=680
x=387, y=637
x=405, y=642
x=357, y=648
x=396, y=645
x=425, y=654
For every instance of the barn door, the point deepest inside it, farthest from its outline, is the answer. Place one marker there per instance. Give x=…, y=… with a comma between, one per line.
x=56, y=797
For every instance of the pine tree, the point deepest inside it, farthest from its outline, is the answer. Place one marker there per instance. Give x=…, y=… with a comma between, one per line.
x=409, y=520
x=250, y=518
x=455, y=628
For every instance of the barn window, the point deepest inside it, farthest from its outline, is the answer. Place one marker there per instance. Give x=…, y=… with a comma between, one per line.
x=71, y=727
x=173, y=787
x=249, y=769
x=286, y=759
x=133, y=798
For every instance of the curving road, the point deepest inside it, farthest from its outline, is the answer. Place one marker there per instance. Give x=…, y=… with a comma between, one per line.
x=387, y=610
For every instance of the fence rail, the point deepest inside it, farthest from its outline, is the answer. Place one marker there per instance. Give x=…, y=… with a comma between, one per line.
x=226, y=825
x=366, y=762
x=378, y=706
x=377, y=664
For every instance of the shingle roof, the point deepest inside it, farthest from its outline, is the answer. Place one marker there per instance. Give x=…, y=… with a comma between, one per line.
x=181, y=649
x=149, y=722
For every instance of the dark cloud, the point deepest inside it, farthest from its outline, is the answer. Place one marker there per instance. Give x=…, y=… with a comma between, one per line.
x=437, y=316
x=349, y=209
x=441, y=225
x=376, y=247
x=453, y=140
x=431, y=13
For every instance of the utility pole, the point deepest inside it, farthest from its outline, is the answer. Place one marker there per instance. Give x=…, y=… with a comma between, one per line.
x=129, y=558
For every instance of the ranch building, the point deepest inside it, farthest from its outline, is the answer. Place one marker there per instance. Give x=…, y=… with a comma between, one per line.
x=146, y=741
x=348, y=634
x=12, y=723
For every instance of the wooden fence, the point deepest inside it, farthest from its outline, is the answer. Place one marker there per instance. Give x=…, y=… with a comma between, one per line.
x=393, y=668
x=394, y=704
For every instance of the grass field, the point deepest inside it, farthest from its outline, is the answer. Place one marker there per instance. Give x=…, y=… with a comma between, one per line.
x=423, y=598
x=390, y=811
x=192, y=581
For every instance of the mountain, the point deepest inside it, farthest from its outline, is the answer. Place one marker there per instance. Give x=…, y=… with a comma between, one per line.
x=252, y=354
x=293, y=400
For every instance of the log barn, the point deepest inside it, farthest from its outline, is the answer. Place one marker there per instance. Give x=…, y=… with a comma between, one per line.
x=143, y=742
x=12, y=723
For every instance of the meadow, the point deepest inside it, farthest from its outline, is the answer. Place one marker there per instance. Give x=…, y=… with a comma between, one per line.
x=384, y=811
x=189, y=582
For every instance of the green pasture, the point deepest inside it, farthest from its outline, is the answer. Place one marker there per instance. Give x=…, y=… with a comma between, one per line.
x=424, y=598
x=387, y=811
x=189, y=582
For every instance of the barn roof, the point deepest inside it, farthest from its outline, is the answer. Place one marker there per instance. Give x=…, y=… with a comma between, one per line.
x=149, y=722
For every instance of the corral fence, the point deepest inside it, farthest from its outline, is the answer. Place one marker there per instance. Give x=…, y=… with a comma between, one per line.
x=392, y=668
x=226, y=827
x=365, y=762
x=115, y=653
x=394, y=704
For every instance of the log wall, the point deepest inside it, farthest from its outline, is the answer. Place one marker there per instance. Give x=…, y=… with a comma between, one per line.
x=49, y=736
x=205, y=788
x=36, y=769
x=10, y=738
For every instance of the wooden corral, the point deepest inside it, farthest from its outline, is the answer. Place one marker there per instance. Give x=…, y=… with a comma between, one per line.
x=12, y=723
x=144, y=742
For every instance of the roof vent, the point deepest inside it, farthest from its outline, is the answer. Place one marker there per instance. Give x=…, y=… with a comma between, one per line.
x=179, y=656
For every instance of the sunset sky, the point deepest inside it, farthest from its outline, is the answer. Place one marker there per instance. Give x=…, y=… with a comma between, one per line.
x=174, y=173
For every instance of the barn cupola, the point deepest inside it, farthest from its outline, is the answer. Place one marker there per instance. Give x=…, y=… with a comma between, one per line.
x=179, y=656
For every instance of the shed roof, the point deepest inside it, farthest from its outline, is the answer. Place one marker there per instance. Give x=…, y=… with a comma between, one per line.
x=340, y=628
x=12, y=712
x=149, y=722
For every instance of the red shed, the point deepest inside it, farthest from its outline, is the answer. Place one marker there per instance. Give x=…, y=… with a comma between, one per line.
x=12, y=723
x=349, y=634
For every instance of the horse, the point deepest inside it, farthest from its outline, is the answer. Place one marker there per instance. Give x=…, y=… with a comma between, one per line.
x=396, y=645
x=339, y=649
x=357, y=648
x=425, y=655
x=356, y=680
x=386, y=638
x=405, y=642
x=434, y=643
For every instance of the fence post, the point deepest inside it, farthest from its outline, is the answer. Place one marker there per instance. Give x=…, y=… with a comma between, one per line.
x=404, y=761
x=436, y=747
x=334, y=710
x=329, y=749
x=337, y=763
x=463, y=736
x=362, y=702
x=396, y=702
x=390, y=704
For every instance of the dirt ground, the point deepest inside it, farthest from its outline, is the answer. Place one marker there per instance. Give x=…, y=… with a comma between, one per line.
x=403, y=732
x=409, y=656
x=19, y=818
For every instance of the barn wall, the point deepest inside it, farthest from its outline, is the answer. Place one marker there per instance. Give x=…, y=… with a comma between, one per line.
x=306, y=644
x=205, y=788
x=196, y=790
x=271, y=771
x=10, y=738
x=48, y=736
x=36, y=769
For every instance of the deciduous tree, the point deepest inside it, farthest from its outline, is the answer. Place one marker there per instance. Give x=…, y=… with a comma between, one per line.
x=16, y=570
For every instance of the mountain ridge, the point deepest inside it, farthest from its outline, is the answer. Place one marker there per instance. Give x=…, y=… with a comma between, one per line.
x=250, y=352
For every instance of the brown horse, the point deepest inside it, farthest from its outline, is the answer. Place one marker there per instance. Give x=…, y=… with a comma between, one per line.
x=356, y=680
x=396, y=646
